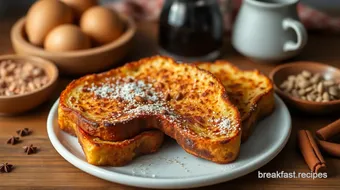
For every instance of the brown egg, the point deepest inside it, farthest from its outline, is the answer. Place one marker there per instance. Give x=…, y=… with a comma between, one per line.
x=80, y=6
x=103, y=25
x=43, y=16
x=65, y=38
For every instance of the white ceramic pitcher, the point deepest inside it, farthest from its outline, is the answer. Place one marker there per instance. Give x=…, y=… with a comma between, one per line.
x=268, y=30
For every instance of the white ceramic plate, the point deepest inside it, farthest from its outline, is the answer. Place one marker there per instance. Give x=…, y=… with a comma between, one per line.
x=171, y=167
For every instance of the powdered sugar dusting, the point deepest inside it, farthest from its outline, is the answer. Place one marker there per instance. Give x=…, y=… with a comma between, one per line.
x=155, y=108
x=224, y=125
x=126, y=89
x=138, y=97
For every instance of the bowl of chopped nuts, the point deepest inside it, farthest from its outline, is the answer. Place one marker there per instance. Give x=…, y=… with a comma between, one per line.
x=308, y=86
x=25, y=82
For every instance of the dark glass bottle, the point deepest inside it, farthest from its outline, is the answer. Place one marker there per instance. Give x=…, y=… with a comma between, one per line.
x=191, y=30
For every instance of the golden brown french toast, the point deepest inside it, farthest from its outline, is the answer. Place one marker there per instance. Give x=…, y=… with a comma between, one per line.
x=112, y=153
x=186, y=103
x=99, y=152
x=250, y=91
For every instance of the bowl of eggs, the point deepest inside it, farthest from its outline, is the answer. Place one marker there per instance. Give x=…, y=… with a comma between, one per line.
x=80, y=37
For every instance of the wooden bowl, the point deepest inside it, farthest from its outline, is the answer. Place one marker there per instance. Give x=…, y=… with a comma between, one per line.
x=77, y=62
x=15, y=104
x=280, y=73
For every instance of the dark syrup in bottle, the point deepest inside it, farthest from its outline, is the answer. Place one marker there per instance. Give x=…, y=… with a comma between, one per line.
x=191, y=29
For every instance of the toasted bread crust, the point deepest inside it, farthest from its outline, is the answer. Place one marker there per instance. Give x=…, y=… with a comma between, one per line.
x=106, y=153
x=198, y=129
x=265, y=106
x=258, y=106
x=221, y=152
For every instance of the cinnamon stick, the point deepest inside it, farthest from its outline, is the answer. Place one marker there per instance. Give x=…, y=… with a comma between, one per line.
x=311, y=152
x=329, y=131
x=331, y=148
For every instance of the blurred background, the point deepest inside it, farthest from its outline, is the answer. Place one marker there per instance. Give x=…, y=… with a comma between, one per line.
x=315, y=14
x=10, y=8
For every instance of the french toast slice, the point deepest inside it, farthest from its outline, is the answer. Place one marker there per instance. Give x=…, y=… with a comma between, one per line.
x=186, y=103
x=250, y=91
x=108, y=153
x=111, y=153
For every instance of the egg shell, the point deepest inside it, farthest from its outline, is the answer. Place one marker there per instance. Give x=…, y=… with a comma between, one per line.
x=43, y=16
x=65, y=38
x=80, y=6
x=103, y=25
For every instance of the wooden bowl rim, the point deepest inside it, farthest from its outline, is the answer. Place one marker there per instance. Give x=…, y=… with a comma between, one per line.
x=301, y=63
x=16, y=35
x=42, y=62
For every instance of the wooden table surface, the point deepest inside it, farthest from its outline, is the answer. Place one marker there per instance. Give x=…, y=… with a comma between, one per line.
x=48, y=170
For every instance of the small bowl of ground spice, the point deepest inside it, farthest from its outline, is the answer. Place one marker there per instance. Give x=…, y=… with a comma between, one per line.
x=308, y=86
x=25, y=82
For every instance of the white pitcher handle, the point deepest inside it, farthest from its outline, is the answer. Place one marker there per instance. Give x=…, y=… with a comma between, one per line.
x=300, y=32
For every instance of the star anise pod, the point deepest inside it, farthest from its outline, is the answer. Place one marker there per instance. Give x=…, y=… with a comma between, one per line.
x=30, y=149
x=24, y=132
x=13, y=140
x=6, y=167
